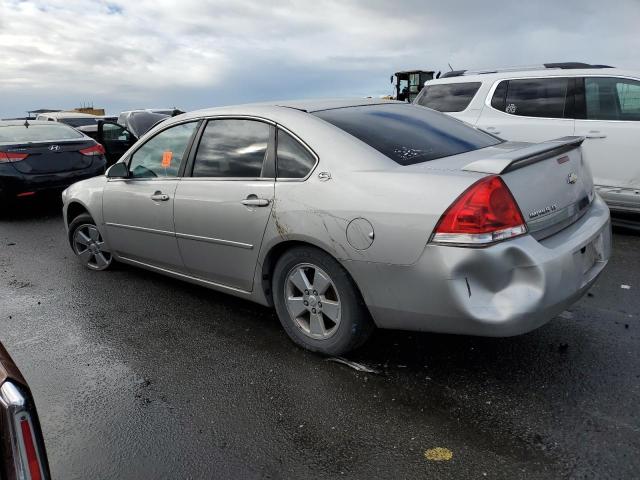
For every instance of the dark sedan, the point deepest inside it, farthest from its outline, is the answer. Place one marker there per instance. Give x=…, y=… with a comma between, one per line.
x=22, y=450
x=37, y=156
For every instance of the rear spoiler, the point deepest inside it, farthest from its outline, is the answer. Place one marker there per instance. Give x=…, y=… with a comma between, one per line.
x=522, y=157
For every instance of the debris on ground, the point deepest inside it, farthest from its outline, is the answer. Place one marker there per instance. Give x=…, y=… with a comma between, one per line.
x=625, y=287
x=438, y=454
x=349, y=363
x=567, y=315
x=589, y=294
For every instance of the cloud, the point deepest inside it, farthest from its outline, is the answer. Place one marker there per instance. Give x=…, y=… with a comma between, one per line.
x=191, y=53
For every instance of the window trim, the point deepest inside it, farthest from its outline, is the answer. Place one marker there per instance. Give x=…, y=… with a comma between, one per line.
x=577, y=79
x=305, y=146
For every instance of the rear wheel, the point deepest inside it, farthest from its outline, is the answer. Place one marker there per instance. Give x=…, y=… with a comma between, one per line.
x=87, y=243
x=318, y=304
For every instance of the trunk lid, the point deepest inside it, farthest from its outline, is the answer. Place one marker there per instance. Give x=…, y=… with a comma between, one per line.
x=550, y=181
x=51, y=157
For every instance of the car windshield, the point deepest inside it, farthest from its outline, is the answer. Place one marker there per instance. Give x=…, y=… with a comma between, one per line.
x=408, y=134
x=37, y=133
x=79, y=121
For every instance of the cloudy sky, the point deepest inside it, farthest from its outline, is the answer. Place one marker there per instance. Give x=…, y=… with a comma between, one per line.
x=121, y=54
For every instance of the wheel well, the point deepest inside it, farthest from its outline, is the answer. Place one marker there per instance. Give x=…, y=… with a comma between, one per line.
x=73, y=210
x=274, y=255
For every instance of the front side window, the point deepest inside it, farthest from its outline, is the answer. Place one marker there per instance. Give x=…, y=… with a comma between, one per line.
x=161, y=155
x=612, y=98
x=232, y=148
x=451, y=97
x=408, y=134
x=294, y=161
x=532, y=97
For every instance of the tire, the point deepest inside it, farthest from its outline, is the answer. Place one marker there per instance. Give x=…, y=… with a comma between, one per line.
x=87, y=243
x=319, y=325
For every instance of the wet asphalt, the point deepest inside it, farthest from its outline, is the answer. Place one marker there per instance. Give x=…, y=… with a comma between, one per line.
x=140, y=376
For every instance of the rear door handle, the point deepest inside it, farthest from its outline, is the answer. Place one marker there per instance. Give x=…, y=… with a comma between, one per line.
x=159, y=197
x=253, y=201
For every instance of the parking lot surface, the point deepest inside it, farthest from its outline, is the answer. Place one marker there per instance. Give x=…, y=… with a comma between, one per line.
x=136, y=375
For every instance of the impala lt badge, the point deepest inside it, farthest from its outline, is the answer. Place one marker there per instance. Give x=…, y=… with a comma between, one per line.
x=543, y=211
x=572, y=178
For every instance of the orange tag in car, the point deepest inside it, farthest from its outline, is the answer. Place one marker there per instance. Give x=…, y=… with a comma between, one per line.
x=166, y=159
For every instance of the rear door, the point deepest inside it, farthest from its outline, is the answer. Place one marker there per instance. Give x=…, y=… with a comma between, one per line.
x=611, y=124
x=222, y=210
x=529, y=109
x=138, y=211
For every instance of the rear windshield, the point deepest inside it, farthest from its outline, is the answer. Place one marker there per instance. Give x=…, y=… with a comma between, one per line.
x=408, y=134
x=37, y=133
x=79, y=122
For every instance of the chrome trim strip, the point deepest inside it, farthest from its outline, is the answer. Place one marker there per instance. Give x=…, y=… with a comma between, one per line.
x=185, y=236
x=219, y=241
x=184, y=275
x=140, y=229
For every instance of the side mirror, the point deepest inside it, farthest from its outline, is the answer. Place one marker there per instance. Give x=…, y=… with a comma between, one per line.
x=118, y=170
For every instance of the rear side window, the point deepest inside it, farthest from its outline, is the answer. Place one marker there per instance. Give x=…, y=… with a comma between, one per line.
x=451, y=97
x=612, y=98
x=37, y=133
x=408, y=134
x=294, y=161
x=232, y=148
x=532, y=97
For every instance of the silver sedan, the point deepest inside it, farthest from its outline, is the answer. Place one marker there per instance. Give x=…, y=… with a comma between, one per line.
x=347, y=215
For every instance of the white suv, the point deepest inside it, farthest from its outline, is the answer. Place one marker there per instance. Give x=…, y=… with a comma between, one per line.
x=555, y=100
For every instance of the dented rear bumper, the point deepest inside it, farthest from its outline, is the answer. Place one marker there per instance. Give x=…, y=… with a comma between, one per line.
x=506, y=289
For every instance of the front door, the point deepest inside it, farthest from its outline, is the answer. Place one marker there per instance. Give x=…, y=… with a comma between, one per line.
x=138, y=211
x=115, y=139
x=222, y=210
x=612, y=127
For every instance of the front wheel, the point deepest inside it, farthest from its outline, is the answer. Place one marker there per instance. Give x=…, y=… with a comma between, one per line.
x=87, y=243
x=318, y=303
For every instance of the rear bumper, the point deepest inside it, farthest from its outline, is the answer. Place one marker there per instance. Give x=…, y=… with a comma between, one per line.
x=503, y=290
x=13, y=182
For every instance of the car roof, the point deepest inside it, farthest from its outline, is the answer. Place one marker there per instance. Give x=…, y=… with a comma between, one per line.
x=537, y=73
x=308, y=105
x=68, y=115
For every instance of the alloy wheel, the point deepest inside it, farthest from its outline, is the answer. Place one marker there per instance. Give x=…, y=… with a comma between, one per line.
x=313, y=301
x=90, y=247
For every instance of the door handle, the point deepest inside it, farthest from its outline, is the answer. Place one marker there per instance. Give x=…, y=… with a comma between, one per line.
x=253, y=201
x=159, y=197
x=595, y=134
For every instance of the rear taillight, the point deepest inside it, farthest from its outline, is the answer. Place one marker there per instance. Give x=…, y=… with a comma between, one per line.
x=26, y=457
x=485, y=213
x=95, y=150
x=11, y=157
